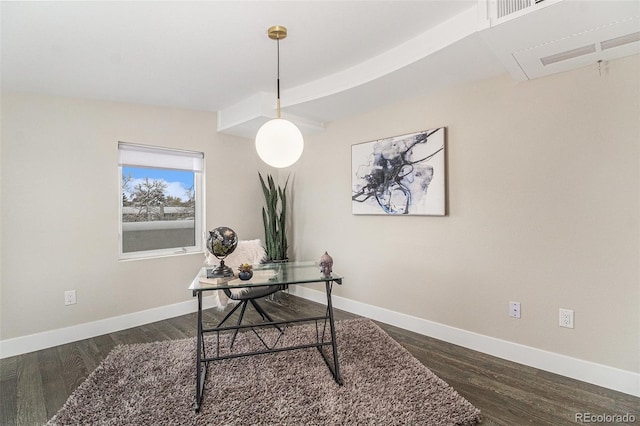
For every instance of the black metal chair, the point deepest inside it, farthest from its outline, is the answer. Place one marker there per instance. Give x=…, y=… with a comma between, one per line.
x=251, y=252
x=249, y=297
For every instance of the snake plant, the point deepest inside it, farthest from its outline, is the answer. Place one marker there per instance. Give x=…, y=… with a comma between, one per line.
x=274, y=217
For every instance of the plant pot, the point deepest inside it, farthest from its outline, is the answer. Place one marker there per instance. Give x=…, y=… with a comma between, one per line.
x=245, y=275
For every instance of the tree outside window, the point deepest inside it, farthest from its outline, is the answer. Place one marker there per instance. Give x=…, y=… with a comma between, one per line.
x=160, y=208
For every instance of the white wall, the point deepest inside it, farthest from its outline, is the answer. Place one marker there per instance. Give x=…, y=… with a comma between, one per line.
x=543, y=190
x=60, y=192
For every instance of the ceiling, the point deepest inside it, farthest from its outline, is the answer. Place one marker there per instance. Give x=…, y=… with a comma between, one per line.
x=340, y=57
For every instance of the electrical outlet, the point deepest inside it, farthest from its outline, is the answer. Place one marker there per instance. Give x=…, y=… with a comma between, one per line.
x=566, y=318
x=514, y=309
x=70, y=297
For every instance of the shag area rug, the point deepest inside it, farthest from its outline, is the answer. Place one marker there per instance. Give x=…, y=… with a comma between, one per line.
x=154, y=384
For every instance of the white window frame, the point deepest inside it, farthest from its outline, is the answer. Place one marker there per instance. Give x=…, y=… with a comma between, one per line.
x=137, y=155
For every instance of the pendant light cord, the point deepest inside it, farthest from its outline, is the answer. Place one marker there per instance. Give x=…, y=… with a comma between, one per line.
x=278, y=41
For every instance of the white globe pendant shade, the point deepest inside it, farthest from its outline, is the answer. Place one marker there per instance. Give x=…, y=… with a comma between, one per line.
x=279, y=143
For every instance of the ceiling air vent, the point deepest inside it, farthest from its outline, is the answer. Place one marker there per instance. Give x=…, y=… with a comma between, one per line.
x=619, y=41
x=591, y=48
x=507, y=7
x=569, y=54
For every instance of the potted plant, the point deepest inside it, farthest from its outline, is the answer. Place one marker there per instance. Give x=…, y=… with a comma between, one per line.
x=245, y=271
x=274, y=216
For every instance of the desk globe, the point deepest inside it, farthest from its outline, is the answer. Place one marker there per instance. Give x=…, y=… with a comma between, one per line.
x=222, y=241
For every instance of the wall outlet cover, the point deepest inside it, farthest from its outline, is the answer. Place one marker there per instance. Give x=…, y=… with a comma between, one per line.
x=514, y=309
x=70, y=297
x=566, y=318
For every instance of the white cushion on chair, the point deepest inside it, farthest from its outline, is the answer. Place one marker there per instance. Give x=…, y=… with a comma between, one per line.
x=247, y=251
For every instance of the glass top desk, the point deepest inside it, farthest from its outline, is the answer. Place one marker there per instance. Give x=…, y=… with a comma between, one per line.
x=274, y=274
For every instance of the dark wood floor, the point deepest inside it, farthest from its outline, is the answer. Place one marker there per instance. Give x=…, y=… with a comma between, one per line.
x=35, y=386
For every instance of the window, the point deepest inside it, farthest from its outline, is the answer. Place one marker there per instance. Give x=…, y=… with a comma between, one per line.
x=161, y=201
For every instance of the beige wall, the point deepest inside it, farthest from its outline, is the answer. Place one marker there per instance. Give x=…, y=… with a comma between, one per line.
x=543, y=209
x=60, y=188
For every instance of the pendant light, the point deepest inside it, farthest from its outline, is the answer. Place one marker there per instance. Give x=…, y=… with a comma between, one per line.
x=279, y=142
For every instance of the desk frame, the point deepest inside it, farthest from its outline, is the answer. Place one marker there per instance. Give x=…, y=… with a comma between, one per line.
x=202, y=360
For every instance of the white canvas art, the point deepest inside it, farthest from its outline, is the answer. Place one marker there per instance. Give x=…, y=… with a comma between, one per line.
x=401, y=175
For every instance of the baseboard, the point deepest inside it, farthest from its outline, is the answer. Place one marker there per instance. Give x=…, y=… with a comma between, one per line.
x=590, y=372
x=612, y=378
x=61, y=336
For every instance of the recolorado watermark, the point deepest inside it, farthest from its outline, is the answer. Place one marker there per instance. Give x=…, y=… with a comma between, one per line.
x=605, y=418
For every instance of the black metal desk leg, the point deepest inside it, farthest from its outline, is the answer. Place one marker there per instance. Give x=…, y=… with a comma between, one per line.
x=334, y=345
x=199, y=377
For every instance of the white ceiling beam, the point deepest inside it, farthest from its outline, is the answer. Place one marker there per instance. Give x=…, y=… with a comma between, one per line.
x=245, y=117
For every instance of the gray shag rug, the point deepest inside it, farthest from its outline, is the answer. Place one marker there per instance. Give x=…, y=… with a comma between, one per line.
x=154, y=384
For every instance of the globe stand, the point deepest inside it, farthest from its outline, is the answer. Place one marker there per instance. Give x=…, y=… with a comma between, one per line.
x=220, y=271
x=221, y=242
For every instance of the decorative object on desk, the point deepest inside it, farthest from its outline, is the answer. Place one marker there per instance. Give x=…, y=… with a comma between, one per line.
x=399, y=388
x=209, y=280
x=274, y=218
x=222, y=241
x=326, y=264
x=402, y=175
x=245, y=271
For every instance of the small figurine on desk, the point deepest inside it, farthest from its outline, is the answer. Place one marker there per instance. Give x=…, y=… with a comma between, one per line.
x=326, y=264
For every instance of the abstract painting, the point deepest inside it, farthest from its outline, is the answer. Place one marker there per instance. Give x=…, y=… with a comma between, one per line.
x=401, y=175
